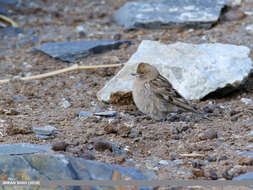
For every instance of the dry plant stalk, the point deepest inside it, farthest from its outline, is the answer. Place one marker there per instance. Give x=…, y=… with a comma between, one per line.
x=8, y=20
x=53, y=73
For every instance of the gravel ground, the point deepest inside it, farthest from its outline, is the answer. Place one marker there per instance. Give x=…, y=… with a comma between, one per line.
x=184, y=148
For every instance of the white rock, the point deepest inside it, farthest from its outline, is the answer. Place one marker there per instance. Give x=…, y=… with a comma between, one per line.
x=194, y=70
x=164, y=162
x=66, y=103
x=249, y=28
x=246, y=100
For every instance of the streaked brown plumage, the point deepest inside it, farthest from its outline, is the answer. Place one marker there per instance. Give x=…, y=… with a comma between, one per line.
x=154, y=95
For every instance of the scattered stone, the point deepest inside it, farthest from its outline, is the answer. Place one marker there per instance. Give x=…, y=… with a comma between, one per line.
x=246, y=176
x=79, y=85
x=73, y=51
x=59, y=146
x=45, y=137
x=208, y=109
x=134, y=133
x=66, y=104
x=199, y=72
x=164, y=162
x=106, y=113
x=85, y=114
x=169, y=14
x=249, y=154
x=22, y=148
x=246, y=101
x=246, y=161
x=249, y=29
x=19, y=98
x=102, y=145
x=11, y=112
x=9, y=2
x=208, y=134
x=198, y=172
x=212, y=175
x=222, y=158
x=47, y=130
x=211, y=158
x=61, y=167
x=87, y=156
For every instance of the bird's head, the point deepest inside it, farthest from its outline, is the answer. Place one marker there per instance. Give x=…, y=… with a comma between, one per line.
x=146, y=72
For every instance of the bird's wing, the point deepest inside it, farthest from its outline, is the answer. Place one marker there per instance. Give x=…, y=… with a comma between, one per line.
x=162, y=88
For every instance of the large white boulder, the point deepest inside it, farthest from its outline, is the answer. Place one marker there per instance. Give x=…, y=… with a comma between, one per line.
x=195, y=70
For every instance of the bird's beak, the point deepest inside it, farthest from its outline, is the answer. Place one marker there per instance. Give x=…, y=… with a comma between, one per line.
x=134, y=74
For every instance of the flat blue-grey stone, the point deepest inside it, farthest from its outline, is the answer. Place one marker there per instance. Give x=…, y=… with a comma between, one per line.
x=73, y=51
x=106, y=113
x=246, y=176
x=61, y=167
x=9, y=2
x=22, y=148
x=168, y=13
x=47, y=130
x=249, y=154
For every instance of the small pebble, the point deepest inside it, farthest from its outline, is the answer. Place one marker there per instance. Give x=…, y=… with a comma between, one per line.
x=79, y=85
x=45, y=137
x=47, y=130
x=164, y=162
x=85, y=114
x=106, y=113
x=59, y=146
x=208, y=134
x=246, y=101
x=66, y=104
x=102, y=145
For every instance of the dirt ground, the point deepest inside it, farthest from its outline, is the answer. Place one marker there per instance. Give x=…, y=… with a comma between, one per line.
x=178, y=149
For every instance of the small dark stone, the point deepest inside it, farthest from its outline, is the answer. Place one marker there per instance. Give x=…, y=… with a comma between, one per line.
x=82, y=34
x=117, y=36
x=208, y=109
x=213, y=175
x=233, y=112
x=211, y=158
x=59, y=146
x=223, y=158
x=226, y=175
x=87, y=156
x=208, y=134
x=102, y=145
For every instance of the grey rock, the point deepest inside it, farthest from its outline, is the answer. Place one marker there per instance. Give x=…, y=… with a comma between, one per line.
x=61, y=167
x=66, y=104
x=169, y=13
x=22, y=148
x=73, y=51
x=246, y=176
x=47, y=130
x=45, y=137
x=193, y=70
x=85, y=114
x=249, y=154
x=9, y=2
x=106, y=113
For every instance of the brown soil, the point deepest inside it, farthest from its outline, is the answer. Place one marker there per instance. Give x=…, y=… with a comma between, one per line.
x=194, y=148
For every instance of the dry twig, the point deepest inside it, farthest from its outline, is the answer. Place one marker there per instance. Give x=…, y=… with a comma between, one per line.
x=8, y=20
x=53, y=73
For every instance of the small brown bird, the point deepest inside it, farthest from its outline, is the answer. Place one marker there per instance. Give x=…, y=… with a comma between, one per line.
x=154, y=95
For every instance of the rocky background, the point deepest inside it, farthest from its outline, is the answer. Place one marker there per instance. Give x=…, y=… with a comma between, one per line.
x=68, y=115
